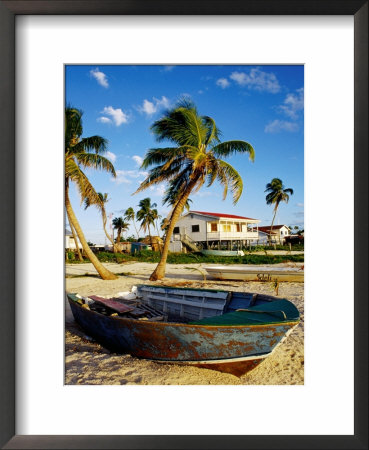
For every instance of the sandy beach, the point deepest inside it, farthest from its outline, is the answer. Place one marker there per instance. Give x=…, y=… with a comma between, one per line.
x=87, y=362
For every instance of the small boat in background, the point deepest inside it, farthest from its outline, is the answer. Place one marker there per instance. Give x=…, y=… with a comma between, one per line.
x=258, y=273
x=223, y=252
x=230, y=332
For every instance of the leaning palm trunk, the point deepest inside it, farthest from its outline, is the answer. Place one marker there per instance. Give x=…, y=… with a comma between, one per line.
x=159, y=271
x=134, y=224
x=103, y=272
x=107, y=234
x=75, y=240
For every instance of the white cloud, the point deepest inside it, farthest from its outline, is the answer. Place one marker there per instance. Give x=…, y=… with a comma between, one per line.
x=203, y=194
x=150, y=108
x=129, y=176
x=257, y=80
x=100, y=77
x=104, y=119
x=300, y=205
x=223, y=83
x=111, y=156
x=138, y=160
x=293, y=103
x=280, y=125
x=158, y=190
x=117, y=115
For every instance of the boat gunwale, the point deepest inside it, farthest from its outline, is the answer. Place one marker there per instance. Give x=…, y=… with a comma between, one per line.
x=186, y=325
x=279, y=270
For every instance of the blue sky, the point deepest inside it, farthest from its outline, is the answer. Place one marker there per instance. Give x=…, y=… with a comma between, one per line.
x=262, y=105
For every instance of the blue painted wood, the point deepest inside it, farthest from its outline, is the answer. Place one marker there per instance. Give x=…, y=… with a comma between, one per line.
x=192, y=304
x=166, y=341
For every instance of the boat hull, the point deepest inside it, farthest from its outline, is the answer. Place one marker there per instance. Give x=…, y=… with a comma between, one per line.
x=234, y=366
x=257, y=274
x=217, y=347
x=222, y=253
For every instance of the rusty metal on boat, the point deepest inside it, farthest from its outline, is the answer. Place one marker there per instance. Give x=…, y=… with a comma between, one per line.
x=230, y=332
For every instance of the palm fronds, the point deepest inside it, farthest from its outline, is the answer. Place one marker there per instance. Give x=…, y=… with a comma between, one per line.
x=228, y=148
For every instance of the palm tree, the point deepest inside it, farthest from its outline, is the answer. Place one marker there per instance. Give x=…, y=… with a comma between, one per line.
x=193, y=161
x=146, y=215
x=171, y=198
x=156, y=216
x=120, y=225
x=83, y=153
x=277, y=193
x=76, y=243
x=102, y=200
x=130, y=216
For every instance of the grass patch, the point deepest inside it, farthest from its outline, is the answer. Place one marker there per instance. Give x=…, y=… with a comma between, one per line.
x=180, y=258
x=191, y=258
x=263, y=248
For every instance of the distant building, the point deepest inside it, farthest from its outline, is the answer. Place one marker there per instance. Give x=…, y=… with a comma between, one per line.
x=69, y=241
x=198, y=229
x=277, y=235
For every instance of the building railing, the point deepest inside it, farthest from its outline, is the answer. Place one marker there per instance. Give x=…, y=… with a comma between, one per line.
x=232, y=235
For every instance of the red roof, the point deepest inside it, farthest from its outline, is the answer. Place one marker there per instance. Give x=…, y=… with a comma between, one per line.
x=228, y=216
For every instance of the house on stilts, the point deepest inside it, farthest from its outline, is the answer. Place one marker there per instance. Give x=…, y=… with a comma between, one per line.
x=198, y=230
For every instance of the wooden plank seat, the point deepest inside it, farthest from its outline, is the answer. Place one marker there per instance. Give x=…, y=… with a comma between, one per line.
x=115, y=305
x=132, y=310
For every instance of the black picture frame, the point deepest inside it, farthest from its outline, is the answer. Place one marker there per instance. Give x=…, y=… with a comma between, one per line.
x=8, y=11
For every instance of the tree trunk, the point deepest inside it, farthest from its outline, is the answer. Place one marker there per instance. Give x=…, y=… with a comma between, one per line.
x=134, y=224
x=159, y=271
x=102, y=271
x=157, y=230
x=150, y=236
x=107, y=234
x=271, y=226
x=75, y=239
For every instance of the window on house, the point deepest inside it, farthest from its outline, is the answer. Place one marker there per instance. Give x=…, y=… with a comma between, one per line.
x=213, y=227
x=238, y=227
x=195, y=228
x=226, y=228
x=176, y=230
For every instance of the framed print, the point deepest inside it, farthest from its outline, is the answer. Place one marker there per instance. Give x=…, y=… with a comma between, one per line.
x=38, y=46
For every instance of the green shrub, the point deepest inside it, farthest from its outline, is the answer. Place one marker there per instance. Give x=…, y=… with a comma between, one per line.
x=70, y=255
x=190, y=258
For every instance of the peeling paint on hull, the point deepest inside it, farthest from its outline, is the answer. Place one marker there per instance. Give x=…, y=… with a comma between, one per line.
x=217, y=347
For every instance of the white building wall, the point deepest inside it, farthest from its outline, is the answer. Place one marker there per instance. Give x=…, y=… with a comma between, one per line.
x=185, y=224
x=175, y=246
x=70, y=244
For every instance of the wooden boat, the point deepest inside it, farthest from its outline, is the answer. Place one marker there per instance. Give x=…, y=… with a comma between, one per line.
x=226, y=331
x=222, y=252
x=258, y=273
